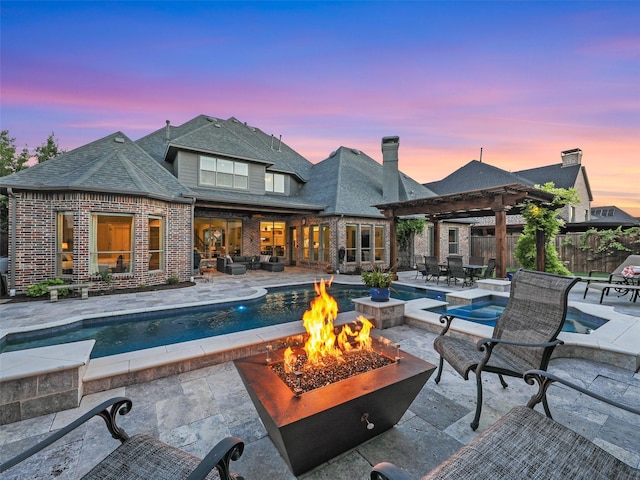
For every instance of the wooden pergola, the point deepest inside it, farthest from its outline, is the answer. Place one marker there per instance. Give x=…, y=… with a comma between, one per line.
x=497, y=201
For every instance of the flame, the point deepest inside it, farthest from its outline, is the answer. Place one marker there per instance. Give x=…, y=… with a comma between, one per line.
x=322, y=340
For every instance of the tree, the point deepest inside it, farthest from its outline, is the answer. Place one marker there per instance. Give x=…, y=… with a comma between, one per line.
x=49, y=149
x=10, y=162
x=545, y=219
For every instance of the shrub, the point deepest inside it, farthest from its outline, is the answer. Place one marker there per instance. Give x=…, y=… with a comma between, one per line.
x=40, y=289
x=173, y=280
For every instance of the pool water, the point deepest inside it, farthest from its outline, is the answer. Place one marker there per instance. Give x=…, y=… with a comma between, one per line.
x=487, y=312
x=126, y=333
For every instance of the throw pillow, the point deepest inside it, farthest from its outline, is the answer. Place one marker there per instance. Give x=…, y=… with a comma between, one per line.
x=229, y=259
x=265, y=258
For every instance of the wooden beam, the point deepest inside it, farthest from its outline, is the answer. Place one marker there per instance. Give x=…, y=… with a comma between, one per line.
x=501, y=242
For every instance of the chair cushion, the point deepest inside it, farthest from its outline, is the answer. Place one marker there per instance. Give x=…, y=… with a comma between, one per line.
x=143, y=457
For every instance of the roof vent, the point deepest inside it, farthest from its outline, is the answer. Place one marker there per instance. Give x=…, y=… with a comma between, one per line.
x=217, y=125
x=332, y=154
x=355, y=152
x=211, y=119
x=119, y=140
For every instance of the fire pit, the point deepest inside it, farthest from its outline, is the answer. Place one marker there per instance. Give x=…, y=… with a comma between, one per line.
x=311, y=425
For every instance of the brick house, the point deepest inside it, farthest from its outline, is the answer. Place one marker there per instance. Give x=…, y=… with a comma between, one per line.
x=135, y=211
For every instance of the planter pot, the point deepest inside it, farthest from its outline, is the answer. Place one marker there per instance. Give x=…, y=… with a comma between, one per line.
x=380, y=294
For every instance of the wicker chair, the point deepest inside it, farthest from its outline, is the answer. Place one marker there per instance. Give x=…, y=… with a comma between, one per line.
x=525, y=445
x=491, y=266
x=142, y=457
x=524, y=336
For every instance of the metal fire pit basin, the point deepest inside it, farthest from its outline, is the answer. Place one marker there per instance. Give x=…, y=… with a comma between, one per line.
x=318, y=425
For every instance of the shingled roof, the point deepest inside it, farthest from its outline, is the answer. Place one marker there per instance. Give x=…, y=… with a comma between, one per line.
x=113, y=164
x=349, y=182
x=231, y=138
x=475, y=175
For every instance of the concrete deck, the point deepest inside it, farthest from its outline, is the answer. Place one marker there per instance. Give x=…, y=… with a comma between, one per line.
x=194, y=409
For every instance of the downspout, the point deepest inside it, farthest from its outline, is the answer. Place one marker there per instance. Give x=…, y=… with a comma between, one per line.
x=12, y=273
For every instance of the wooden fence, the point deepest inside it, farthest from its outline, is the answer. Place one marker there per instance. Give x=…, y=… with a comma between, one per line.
x=576, y=260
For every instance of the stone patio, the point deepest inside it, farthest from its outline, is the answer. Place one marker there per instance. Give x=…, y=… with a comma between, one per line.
x=193, y=410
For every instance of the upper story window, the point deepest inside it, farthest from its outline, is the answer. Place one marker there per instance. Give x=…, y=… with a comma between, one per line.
x=223, y=173
x=274, y=182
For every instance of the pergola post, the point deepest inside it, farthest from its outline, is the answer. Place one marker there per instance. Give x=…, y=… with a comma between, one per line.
x=501, y=241
x=436, y=238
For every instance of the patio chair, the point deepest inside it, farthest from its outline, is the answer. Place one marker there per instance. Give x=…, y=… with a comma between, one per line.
x=524, y=336
x=476, y=272
x=491, y=267
x=142, y=457
x=433, y=269
x=524, y=444
x=456, y=271
x=418, y=261
x=614, y=277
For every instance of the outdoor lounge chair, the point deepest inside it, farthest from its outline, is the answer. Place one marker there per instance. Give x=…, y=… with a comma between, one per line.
x=524, y=445
x=524, y=336
x=142, y=457
x=614, y=277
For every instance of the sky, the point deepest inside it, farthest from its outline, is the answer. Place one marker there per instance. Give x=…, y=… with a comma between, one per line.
x=520, y=81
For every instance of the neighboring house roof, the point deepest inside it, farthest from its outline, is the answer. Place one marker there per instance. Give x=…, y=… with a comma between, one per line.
x=475, y=175
x=113, y=164
x=561, y=176
x=349, y=182
x=612, y=215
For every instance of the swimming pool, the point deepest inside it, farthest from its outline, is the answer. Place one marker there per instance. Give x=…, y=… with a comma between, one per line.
x=486, y=312
x=126, y=333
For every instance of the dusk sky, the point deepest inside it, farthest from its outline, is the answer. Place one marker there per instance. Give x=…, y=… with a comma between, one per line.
x=521, y=80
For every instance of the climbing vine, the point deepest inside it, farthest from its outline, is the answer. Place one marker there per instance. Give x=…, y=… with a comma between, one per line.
x=544, y=218
x=406, y=228
x=611, y=241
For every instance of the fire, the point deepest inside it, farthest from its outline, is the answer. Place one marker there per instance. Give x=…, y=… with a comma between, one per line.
x=322, y=340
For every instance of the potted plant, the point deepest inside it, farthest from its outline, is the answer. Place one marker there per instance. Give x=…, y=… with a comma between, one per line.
x=379, y=283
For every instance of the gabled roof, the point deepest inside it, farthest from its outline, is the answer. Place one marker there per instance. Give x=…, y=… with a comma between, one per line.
x=113, y=164
x=349, y=182
x=562, y=177
x=475, y=175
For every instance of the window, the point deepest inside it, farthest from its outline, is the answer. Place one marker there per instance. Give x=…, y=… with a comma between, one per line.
x=315, y=246
x=305, y=243
x=365, y=243
x=111, y=243
x=224, y=173
x=379, y=243
x=325, y=242
x=352, y=243
x=274, y=182
x=156, y=243
x=453, y=240
x=272, y=238
x=64, y=243
x=213, y=237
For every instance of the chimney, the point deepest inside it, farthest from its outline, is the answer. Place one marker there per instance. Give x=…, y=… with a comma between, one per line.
x=571, y=157
x=167, y=131
x=390, y=174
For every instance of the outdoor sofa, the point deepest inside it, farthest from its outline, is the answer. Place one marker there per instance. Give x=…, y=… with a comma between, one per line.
x=239, y=264
x=525, y=444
